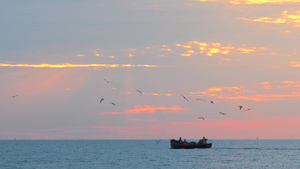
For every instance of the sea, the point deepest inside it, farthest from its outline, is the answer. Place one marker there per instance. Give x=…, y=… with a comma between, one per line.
x=139, y=154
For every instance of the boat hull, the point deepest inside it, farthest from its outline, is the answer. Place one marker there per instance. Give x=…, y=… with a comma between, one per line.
x=175, y=145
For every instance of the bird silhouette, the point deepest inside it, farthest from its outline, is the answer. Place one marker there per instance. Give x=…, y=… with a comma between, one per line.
x=222, y=113
x=201, y=118
x=14, y=96
x=212, y=102
x=240, y=107
x=201, y=100
x=112, y=103
x=140, y=92
x=107, y=81
x=248, y=109
x=185, y=98
x=158, y=140
x=101, y=100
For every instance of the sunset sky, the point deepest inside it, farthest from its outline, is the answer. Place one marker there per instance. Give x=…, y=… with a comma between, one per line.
x=59, y=58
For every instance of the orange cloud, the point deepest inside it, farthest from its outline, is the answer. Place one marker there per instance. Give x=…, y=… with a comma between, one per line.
x=285, y=90
x=97, y=54
x=223, y=88
x=185, y=46
x=166, y=48
x=67, y=65
x=189, y=53
x=149, y=109
x=131, y=52
x=195, y=47
x=285, y=18
x=287, y=31
x=295, y=64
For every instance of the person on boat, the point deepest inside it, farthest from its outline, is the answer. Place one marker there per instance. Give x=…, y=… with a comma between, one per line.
x=199, y=142
x=184, y=142
x=203, y=141
x=180, y=141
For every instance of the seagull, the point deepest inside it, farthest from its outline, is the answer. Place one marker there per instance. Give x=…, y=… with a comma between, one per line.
x=185, y=98
x=112, y=103
x=211, y=101
x=201, y=118
x=201, y=100
x=101, y=100
x=107, y=81
x=222, y=113
x=140, y=92
x=158, y=140
x=240, y=107
x=14, y=96
x=248, y=109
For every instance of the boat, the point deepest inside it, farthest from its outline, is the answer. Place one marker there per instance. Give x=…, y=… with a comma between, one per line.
x=178, y=144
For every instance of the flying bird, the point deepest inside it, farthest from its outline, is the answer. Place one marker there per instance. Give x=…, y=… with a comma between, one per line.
x=158, y=140
x=14, y=96
x=140, y=92
x=201, y=100
x=211, y=101
x=101, y=100
x=240, y=107
x=107, y=81
x=112, y=103
x=185, y=98
x=201, y=118
x=248, y=109
x=222, y=113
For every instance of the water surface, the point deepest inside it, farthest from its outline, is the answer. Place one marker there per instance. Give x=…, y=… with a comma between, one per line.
x=77, y=154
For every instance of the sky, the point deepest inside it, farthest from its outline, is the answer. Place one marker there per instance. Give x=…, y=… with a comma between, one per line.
x=157, y=64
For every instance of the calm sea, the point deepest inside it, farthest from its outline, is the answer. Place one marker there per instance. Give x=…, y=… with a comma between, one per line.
x=138, y=154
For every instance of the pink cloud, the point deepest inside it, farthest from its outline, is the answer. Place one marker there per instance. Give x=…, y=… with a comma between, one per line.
x=265, y=91
x=149, y=109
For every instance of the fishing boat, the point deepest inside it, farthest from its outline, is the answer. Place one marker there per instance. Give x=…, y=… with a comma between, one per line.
x=178, y=144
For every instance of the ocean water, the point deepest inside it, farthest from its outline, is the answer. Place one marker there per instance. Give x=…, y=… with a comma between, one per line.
x=139, y=154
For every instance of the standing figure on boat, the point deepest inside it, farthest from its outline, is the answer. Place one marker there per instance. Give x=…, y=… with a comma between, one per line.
x=203, y=141
x=180, y=141
x=184, y=142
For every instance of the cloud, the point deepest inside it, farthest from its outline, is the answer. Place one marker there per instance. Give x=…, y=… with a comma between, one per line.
x=149, y=109
x=166, y=48
x=68, y=65
x=285, y=18
x=131, y=52
x=210, y=49
x=191, y=48
x=285, y=90
x=295, y=64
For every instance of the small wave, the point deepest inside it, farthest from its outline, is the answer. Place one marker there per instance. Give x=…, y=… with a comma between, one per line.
x=243, y=148
x=256, y=148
